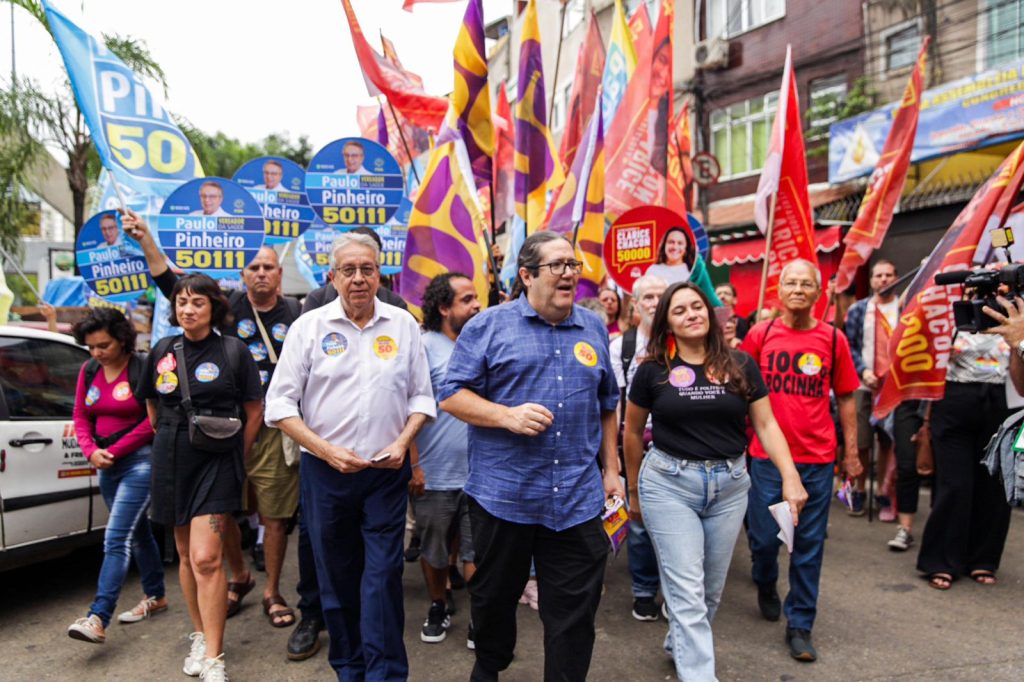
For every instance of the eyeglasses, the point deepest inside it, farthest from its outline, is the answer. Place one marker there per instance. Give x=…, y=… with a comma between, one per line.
x=802, y=284
x=558, y=267
x=349, y=271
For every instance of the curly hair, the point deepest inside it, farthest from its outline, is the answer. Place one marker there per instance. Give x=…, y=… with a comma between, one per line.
x=109, y=320
x=439, y=294
x=202, y=285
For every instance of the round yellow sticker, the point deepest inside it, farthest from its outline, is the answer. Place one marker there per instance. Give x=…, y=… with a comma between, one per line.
x=166, y=383
x=585, y=353
x=385, y=347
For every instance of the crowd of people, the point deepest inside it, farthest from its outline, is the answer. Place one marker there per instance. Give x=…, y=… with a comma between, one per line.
x=502, y=434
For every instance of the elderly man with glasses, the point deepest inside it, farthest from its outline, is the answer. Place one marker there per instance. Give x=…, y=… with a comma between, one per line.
x=534, y=381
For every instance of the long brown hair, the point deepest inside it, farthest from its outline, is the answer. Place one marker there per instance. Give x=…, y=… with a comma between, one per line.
x=719, y=361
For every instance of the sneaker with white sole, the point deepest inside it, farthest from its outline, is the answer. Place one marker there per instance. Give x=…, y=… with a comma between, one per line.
x=435, y=627
x=902, y=541
x=197, y=655
x=645, y=608
x=149, y=606
x=213, y=670
x=89, y=629
x=471, y=638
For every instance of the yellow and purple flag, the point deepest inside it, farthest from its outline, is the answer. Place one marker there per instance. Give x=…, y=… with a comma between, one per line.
x=619, y=64
x=471, y=98
x=538, y=169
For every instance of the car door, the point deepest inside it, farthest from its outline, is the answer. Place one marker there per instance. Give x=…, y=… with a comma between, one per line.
x=44, y=478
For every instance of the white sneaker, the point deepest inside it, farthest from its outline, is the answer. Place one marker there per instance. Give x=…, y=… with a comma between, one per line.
x=143, y=610
x=196, y=657
x=88, y=630
x=213, y=670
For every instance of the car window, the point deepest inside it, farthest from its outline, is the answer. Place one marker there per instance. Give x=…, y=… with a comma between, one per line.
x=38, y=377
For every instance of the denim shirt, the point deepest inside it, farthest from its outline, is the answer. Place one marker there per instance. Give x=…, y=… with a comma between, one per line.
x=509, y=355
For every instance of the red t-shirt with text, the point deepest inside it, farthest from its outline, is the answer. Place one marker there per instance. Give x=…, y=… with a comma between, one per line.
x=797, y=369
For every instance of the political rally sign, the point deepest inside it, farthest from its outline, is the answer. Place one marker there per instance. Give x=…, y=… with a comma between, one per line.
x=354, y=181
x=211, y=225
x=700, y=235
x=636, y=240
x=313, y=250
x=279, y=186
x=110, y=261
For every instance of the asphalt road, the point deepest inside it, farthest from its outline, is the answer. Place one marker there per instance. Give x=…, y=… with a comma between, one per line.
x=877, y=621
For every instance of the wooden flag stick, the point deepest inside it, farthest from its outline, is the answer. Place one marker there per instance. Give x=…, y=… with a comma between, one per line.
x=767, y=251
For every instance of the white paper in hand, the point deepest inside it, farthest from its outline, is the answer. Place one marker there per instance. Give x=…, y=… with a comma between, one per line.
x=780, y=512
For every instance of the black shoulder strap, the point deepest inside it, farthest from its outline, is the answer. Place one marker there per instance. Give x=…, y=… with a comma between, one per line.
x=628, y=349
x=232, y=353
x=182, y=369
x=832, y=371
x=294, y=307
x=92, y=367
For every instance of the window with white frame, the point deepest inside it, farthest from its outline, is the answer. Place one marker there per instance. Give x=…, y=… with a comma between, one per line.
x=1003, y=32
x=740, y=133
x=827, y=96
x=556, y=119
x=575, y=13
x=901, y=44
x=727, y=18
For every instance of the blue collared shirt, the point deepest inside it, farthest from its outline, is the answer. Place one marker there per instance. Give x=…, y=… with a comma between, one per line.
x=509, y=355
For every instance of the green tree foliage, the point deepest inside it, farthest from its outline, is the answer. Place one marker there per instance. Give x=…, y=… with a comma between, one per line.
x=20, y=152
x=859, y=99
x=221, y=155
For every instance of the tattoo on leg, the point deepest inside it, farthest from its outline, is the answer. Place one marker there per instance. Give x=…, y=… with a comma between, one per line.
x=217, y=524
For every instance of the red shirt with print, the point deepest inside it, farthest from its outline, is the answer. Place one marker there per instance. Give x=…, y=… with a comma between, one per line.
x=797, y=369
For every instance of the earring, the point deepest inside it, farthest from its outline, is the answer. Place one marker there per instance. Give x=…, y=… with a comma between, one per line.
x=670, y=346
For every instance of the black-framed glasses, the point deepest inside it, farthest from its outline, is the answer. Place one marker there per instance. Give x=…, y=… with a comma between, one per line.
x=558, y=267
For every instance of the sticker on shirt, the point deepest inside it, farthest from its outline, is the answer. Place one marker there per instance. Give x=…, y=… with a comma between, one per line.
x=92, y=395
x=279, y=331
x=246, y=328
x=264, y=377
x=809, y=364
x=987, y=365
x=258, y=351
x=167, y=364
x=385, y=347
x=682, y=377
x=166, y=383
x=207, y=372
x=334, y=344
x=585, y=354
x=122, y=391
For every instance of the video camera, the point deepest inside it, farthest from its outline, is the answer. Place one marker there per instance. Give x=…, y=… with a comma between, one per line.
x=980, y=289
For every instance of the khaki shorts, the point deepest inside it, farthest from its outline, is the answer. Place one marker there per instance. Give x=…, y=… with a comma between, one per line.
x=865, y=431
x=274, y=483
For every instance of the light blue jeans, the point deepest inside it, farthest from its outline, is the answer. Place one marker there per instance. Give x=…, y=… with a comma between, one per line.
x=125, y=489
x=693, y=510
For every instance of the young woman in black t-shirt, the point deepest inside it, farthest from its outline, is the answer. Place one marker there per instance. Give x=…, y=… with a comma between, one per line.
x=690, y=491
x=193, y=489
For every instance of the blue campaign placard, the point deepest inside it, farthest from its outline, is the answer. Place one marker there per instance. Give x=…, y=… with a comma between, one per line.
x=354, y=181
x=211, y=225
x=279, y=186
x=110, y=261
x=313, y=249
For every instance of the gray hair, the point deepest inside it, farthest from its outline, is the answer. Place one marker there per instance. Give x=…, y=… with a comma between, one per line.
x=643, y=283
x=801, y=261
x=349, y=238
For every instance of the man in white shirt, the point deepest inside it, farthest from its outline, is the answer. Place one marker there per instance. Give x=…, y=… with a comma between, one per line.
x=354, y=155
x=211, y=196
x=273, y=173
x=359, y=369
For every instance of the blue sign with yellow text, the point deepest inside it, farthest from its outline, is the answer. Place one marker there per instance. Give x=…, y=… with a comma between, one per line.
x=354, y=181
x=278, y=185
x=110, y=261
x=313, y=250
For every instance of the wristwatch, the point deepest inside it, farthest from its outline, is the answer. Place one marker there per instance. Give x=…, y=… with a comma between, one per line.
x=1020, y=349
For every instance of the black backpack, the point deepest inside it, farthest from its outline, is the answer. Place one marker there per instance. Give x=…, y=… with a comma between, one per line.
x=135, y=365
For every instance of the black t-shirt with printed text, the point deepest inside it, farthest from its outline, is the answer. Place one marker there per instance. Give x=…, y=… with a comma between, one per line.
x=693, y=417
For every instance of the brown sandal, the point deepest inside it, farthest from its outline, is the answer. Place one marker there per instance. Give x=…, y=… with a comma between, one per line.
x=983, y=577
x=940, y=581
x=277, y=618
x=240, y=589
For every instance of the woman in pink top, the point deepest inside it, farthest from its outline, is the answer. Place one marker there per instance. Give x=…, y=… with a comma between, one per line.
x=115, y=435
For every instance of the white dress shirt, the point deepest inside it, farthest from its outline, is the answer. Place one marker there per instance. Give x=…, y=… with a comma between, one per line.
x=357, y=387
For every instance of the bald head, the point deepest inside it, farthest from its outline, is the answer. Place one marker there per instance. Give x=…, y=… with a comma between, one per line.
x=262, y=276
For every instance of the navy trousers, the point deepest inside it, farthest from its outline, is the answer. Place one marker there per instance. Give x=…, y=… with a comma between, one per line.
x=356, y=524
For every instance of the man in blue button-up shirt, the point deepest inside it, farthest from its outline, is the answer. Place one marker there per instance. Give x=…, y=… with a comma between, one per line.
x=534, y=380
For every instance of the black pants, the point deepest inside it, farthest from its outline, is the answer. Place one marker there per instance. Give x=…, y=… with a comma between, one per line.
x=906, y=422
x=308, y=587
x=967, y=527
x=570, y=571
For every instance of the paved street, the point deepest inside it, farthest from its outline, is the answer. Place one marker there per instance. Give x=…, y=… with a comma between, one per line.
x=877, y=621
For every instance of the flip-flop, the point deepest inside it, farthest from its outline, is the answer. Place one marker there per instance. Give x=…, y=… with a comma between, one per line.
x=275, y=617
x=241, y=589
x=984, y=577
x=940, y=581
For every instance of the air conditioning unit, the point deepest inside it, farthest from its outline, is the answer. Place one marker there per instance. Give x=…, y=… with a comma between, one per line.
x=712, y=54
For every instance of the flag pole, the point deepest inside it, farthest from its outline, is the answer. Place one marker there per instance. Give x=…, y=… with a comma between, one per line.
x=767, y=251
x=558, y=59
x=401, y=136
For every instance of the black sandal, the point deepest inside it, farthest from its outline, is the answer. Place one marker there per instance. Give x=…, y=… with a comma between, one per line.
x=940, y=581
x=240, y=589
x=276, y=618
x=984, y=577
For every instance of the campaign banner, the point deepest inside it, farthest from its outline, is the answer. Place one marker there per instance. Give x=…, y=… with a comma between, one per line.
x=354, y=181
x=313, y=251
x=279, y=187
x=649, y=240
x=965, y=114
x=110, y=261
x=211, y=225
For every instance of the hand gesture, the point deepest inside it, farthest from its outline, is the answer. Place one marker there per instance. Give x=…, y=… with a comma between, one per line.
x=528, y=419
x=344, y=460
x=101, y=459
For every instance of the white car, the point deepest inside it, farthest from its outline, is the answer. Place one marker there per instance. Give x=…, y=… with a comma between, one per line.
x=50, y=501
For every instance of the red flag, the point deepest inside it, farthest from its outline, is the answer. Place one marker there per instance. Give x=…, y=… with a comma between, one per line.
x=921, y=343
x=504, y=160
x=680, y=172
x=637, y=139
x=785, y=175
x=385, y=78
x=391, y=54
x=640, y=25
x=887, y=180
x=586, y=81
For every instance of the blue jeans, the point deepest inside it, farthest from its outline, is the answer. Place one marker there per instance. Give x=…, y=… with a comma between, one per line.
x=693, y=511
x=643, y=562
x=808, y=546
x=125, y=489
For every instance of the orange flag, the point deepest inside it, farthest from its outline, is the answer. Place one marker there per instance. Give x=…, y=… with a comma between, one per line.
x=680, y=171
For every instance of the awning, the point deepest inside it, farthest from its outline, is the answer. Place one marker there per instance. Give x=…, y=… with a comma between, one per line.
x=751, y=250
x=740, y=211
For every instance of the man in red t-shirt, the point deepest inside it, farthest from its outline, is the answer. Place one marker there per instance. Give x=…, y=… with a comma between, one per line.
x=801, y=360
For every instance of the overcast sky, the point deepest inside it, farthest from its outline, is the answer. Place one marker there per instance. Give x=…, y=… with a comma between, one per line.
x=252, y=67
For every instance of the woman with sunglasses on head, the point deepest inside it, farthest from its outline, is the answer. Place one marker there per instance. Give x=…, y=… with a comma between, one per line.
x=197, y=481
x=115, y=436
x=691, y=490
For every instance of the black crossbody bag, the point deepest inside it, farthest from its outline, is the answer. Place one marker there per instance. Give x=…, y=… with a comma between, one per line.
x=205, y=432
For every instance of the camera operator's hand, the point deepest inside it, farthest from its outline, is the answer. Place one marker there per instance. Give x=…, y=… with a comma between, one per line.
x=1011, y=324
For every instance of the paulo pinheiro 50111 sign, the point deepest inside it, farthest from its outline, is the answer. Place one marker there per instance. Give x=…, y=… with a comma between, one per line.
x=353, y=182
x=110, y=261
x=314, y=249
x=279, y=186
x=211, y=225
